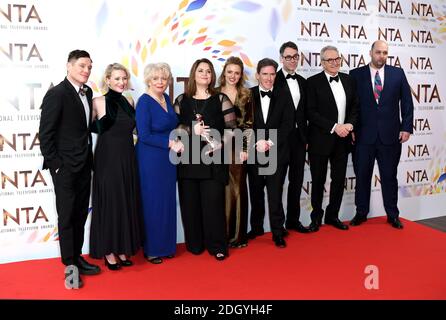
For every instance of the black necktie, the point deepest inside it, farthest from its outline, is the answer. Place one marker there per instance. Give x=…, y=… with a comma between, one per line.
x=82, y=91
x=334, y=79
x=292, y=76
x=266, y=93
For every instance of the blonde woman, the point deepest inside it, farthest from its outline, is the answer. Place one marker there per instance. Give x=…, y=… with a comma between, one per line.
x=116, y=222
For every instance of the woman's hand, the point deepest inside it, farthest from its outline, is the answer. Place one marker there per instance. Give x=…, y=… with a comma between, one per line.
x=176, y=146
x=200, y=129
x=243, y=156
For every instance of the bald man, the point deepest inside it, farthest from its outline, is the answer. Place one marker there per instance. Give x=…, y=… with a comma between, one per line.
x=384, y=94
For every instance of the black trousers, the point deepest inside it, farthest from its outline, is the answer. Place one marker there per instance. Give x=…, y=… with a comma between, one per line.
x=274, y=189
x=295, y=179
x=202, y=203
x=72, y=198
x=318, y=167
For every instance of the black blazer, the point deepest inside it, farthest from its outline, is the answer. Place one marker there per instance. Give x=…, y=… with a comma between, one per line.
x=65, y=139
x=322, y=112
x=280, y=117
x=299, y=113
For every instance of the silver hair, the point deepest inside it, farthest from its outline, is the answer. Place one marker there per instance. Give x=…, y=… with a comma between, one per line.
x=152, y=68
x=327, y=48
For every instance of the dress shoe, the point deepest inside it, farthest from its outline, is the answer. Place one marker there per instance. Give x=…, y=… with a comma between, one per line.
x=279, y=241
x=395, y=222
x=358, y=219
x=254, y=234
x=125, y=263
x=86, y=268
x=313, y=227
x=112, y=266
x=299, y=228
x=72, y=278
x=238, y=244
x=155, y=260
x=336, y=223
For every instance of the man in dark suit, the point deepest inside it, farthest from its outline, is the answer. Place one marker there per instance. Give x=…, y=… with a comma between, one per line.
x=273, y=113
x=332, y=107
x=65, y=142
x=384, y=94
x=294, y=87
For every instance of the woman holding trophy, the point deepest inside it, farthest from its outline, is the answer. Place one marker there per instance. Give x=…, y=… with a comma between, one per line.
x=204, y=115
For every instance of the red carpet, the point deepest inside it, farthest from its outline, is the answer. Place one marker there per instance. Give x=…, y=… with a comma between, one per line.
x=328, y=264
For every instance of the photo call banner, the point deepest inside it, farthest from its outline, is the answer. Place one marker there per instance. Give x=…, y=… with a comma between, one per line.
x=36, y=37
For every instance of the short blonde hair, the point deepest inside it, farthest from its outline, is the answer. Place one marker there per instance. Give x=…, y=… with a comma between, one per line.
x=152, y=68
x=107, y=74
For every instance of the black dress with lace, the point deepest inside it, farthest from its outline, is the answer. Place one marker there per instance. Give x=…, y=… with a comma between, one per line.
x=201, y=185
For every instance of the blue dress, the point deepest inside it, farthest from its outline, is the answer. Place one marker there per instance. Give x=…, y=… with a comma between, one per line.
x=157, y=175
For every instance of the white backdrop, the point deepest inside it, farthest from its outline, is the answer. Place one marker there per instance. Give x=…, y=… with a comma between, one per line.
x=36, y=36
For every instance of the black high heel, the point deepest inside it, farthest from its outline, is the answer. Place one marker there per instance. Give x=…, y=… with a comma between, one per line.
x=125, y=263
x=112, y=266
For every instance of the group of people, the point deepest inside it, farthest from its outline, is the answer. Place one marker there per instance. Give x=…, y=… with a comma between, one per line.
x=282, y=118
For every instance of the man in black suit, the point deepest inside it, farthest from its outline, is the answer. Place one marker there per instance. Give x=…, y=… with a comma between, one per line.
x=65, y=142
x=294, y=87
x=332, y=109
x=273, y=113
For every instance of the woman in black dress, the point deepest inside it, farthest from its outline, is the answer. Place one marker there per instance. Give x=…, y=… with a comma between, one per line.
x=201, y=185
x=115, y=232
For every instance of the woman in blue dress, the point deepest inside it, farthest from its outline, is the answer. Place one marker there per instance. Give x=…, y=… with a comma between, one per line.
x=155, y=119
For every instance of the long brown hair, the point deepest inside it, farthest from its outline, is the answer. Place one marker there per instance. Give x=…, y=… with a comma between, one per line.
x=243, y=94
x=192, y=85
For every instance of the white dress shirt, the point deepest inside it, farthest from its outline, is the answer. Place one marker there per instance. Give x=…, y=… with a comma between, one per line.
x=340, y=98
x=265, y=101
x=294, y=88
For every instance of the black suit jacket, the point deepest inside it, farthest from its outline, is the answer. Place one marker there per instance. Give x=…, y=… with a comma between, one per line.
x=63, y=132
x=280, y=117
x=322, y=112
x=299, y=112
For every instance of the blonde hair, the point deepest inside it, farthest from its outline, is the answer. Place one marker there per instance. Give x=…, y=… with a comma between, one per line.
x=108, y=72
x=152, y=68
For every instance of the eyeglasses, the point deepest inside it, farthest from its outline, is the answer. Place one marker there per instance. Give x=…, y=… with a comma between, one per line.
x=289, y=58
x=331, y=61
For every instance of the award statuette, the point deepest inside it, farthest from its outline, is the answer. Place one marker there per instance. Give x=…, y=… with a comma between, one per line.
x=209, y=139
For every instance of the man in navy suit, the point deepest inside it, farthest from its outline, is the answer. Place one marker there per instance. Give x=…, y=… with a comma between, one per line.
x=384, y=94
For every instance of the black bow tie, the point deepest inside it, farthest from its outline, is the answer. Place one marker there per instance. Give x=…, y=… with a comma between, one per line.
x=291, y=76
x=83, y=91
x=266, y=93
x=334, y=79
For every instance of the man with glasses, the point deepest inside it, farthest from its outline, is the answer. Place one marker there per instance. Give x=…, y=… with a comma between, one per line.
x=380, y=131
x=332, y=106
x=294, y=87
